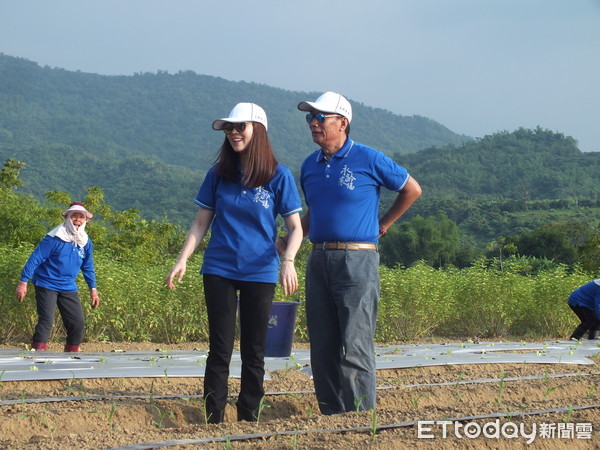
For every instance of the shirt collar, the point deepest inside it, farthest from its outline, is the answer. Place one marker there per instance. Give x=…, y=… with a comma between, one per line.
x=341, y=153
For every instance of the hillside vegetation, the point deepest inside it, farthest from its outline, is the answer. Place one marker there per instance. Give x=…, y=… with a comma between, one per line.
x=146, y=139
x=145, y=142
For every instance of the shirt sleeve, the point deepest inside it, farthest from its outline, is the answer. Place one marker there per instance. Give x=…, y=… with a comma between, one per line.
x=388, y=173
x=87, y=266
x=288, y=200
x=41, y=253
x=206, y=197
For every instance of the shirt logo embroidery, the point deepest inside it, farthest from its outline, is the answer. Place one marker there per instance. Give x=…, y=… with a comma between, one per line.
x=262, y=196
x=347, y=178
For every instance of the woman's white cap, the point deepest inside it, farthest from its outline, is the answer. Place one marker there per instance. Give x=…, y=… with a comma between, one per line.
x=77, y=206
x=243, y=112
x=329, y=102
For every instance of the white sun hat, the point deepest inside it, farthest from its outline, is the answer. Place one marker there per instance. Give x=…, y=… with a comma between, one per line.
x=77, y=206
x=243, y=112
x=329, y=102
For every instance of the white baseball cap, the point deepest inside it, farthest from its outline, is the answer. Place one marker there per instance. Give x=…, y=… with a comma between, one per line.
x=243, y=112
x=329, y=102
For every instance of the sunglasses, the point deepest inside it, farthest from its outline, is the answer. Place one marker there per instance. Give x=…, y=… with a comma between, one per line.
x=320, y=117
x=228, y=127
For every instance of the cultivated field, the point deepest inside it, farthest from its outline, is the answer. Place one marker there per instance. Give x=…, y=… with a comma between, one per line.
x=109, y=413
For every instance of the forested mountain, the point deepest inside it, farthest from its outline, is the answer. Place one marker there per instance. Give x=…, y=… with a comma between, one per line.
x=521, y=165
x=507, y=183
x=147, y=140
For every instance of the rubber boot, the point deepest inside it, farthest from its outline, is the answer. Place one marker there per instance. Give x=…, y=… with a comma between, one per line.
x=71, y=348
x=38, y=346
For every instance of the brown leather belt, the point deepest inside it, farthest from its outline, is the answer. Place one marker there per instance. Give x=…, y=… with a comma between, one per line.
x=345, y=246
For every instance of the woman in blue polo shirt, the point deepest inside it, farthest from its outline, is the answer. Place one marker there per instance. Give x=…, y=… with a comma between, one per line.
x=239, y=201
x=585, y=303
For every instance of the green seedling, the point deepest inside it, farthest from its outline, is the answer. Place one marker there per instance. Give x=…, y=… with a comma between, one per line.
x=500, y=389
x=161, y=415
x=546, y=378
x=49, y=425
x=414, y=401
x=549, y=391
x=261, y=406
x=358, y=402
x=569, y=414
x=204, y=410
x=73, y=384
x=373, y=429
x=591, y=392
x=309, y=411
x=110, y=416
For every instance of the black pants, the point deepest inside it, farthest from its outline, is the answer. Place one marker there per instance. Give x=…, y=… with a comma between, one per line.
x=70, y=310
x=588, y=319
x=221, y=305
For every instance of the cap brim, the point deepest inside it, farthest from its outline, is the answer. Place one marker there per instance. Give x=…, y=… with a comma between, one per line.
x=313, y=106
x=88, y=215
x=218, y=124
x=307, y=106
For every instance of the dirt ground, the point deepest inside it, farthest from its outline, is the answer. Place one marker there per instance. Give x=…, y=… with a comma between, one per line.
x=135, y=412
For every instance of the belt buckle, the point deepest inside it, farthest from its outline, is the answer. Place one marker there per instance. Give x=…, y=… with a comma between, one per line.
x=324, y=246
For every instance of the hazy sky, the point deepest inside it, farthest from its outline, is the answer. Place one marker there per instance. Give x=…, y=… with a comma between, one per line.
x=476, y=66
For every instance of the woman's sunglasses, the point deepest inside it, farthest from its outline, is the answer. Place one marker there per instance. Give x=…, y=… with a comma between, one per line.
x=228, y=127
x=320, y=117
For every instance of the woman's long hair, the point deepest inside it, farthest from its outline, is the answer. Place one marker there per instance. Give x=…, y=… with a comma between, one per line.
x=261, y=163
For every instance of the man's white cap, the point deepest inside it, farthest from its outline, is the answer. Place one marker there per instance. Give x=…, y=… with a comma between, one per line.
x=243, y=112
x=329, y=102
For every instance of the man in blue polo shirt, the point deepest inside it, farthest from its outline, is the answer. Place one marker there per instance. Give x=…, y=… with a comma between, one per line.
x=341, y=183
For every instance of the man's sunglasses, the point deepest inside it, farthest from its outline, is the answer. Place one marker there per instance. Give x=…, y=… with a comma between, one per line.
x=320, y=117
x=228, y=127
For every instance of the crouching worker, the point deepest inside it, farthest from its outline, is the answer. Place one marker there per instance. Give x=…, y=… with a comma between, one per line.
x=585, y=303
x=53, y=268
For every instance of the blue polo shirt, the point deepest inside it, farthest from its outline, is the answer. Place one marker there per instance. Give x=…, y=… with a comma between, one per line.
x=243, y=232
x=343, y=193
x=587, y=296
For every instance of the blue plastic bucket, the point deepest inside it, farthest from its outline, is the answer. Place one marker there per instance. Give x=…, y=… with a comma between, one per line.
x=280, y=331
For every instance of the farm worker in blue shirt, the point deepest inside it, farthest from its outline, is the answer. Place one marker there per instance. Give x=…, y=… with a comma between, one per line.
x=585, y=303
x=241, y=197
x=341, y=183
x=53, y=268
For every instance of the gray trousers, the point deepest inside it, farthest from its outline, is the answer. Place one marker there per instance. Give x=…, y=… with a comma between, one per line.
x=342, y=293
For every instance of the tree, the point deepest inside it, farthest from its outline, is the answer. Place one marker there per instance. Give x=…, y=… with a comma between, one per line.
x=549, y=243
x=9, y=175
x=503, y=246
x=435, y=240
x=589, y=253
